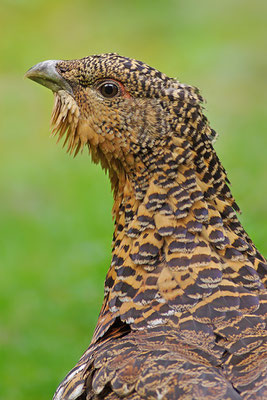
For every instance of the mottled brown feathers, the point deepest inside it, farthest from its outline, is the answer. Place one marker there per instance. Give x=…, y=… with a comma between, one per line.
x=184, y=312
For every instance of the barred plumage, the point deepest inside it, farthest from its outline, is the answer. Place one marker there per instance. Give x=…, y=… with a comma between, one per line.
x=184, y=313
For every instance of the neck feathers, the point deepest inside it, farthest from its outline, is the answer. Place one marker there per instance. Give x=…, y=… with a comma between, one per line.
x=178, y=241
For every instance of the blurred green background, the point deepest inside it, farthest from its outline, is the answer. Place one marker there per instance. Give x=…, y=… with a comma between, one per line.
x=55, y=212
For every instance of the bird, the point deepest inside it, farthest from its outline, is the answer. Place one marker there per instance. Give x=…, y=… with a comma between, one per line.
x=184, y=309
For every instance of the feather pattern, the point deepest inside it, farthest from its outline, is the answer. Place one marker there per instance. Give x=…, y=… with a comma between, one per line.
x=184, y=311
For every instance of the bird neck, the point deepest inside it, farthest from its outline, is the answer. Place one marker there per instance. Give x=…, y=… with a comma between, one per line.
x=177, y=240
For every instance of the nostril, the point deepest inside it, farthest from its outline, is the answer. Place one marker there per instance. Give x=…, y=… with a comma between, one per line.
x=62, y=68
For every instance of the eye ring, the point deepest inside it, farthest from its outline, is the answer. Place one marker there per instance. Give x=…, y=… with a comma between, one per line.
x=109, y=89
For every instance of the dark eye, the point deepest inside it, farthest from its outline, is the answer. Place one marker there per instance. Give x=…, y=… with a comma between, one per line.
x=109, y=89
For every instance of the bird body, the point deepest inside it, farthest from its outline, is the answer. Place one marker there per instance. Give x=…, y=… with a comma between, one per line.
x=184, y=311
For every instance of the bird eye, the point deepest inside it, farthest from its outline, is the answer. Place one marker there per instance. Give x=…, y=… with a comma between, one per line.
x=109, y=89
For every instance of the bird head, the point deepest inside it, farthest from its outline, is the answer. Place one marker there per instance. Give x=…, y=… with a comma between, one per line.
x=134, y=119
x=121, y=108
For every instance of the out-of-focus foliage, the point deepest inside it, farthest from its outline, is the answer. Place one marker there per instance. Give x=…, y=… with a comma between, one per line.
x=55, y=212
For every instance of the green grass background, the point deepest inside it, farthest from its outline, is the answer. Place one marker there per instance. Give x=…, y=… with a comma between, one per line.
x=55, y=212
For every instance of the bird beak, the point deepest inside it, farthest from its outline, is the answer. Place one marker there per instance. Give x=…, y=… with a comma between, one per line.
x=46, y=74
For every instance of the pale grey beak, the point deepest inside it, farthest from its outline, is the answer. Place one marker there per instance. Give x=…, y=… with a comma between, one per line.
x=46, y=74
